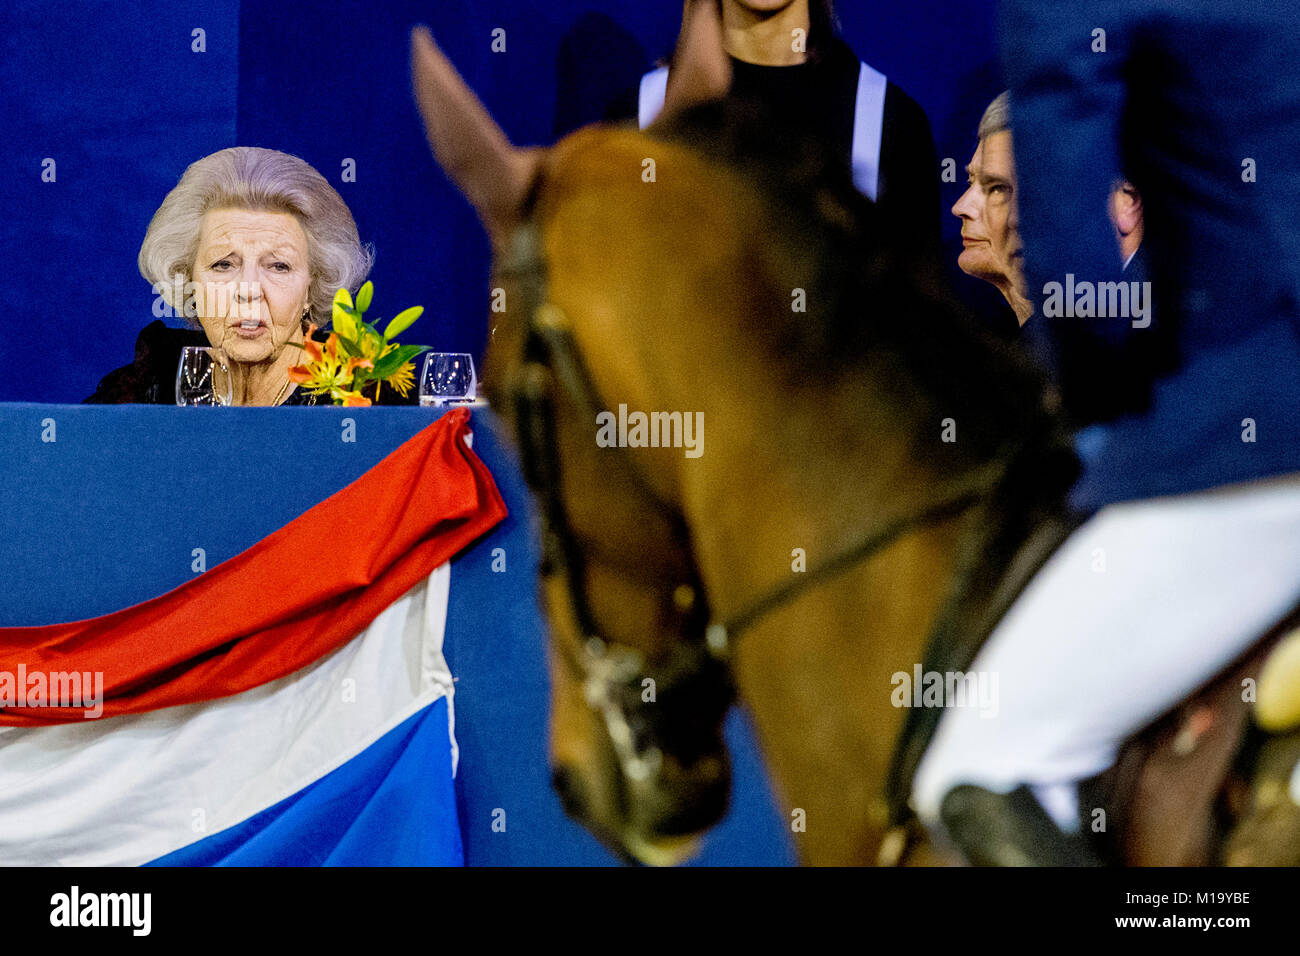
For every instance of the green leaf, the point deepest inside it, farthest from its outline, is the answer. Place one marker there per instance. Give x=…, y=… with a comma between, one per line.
x=349, y=347
x=402, y=321
x=364, y=295
x=395, y=359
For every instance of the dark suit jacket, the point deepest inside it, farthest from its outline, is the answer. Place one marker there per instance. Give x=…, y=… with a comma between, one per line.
x=1198, y=103
x=816, y=100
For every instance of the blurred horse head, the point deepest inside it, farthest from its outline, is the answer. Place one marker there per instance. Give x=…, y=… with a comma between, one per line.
x=701, y=273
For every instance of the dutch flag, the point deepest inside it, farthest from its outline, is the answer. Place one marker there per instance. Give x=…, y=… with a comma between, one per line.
x=258, y=715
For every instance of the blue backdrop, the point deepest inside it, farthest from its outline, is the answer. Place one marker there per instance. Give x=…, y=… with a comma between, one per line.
x=105, y=104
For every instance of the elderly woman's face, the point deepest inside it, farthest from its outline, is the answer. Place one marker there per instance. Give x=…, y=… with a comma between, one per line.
x=253, y=281
x=990, y=234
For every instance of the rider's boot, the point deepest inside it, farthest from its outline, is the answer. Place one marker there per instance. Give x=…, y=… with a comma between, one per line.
x=1010, y=829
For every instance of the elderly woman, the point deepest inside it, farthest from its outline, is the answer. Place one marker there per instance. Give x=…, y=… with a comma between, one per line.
x=990, y=222
x=250, y=247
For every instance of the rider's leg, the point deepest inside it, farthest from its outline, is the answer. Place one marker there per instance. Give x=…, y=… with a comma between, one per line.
x=1141, y=605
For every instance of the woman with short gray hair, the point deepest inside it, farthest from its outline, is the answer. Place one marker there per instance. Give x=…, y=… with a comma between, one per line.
x=250, y=246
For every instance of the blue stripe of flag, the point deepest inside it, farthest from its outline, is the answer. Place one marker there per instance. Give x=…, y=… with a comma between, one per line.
x=394, y=804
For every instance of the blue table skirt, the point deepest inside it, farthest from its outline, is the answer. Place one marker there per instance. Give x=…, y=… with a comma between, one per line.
x=110, y=511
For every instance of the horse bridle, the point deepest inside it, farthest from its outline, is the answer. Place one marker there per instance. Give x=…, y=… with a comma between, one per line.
x=692, y=685
x=694, y=679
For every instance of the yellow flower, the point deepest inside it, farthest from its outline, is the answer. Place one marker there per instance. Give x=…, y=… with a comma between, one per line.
x=374, y=347
x=403, y=379
x=345, y=323
x=327, y=372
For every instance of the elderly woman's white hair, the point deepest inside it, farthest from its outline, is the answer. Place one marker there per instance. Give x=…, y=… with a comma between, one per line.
x=997, y=117
x=248, y=177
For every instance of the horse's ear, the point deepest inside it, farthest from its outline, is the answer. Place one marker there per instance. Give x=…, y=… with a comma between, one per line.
x=468, y=144
x=701, y=69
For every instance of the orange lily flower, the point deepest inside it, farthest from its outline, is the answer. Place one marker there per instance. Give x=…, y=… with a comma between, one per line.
x=310, y=345
x=326, y=373
x=349, y=398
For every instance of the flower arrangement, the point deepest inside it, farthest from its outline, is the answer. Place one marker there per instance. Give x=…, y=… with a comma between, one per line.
x=357, y=355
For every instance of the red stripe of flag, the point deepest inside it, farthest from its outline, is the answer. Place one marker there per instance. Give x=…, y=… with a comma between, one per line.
x=293, y=597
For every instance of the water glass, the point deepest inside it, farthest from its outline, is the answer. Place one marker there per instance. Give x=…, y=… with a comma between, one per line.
x=203, y=377
x=448, y=379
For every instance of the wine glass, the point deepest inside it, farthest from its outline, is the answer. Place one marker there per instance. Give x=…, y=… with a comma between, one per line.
x=448, y=378
x=203, y=377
